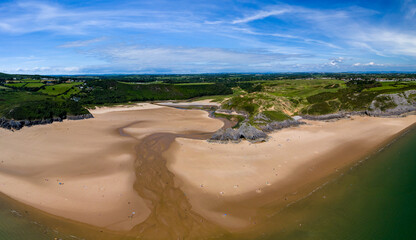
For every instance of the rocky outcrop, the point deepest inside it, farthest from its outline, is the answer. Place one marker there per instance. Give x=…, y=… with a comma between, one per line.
x=385, y=105
x=326, y=117
x=245, y=131
x=19, y=124
x=280, y=125
x=79, y=117
x=391, y=112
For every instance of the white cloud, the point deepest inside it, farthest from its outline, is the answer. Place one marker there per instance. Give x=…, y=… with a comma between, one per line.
x=368, y=64
x=176, y=59
x=409, y=7
x=308, y=37
x=261, y=15
x=288, y=36
x=45, y=70
x=390, y=41
x=348, y=26
x=82, y=43
x=336, y=61
x=27, y=16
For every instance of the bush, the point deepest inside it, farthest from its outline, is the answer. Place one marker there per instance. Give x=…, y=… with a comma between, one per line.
x=322, y=108
x=276, y=115
x=321, y=97
x=45, y=109
x=109, y=91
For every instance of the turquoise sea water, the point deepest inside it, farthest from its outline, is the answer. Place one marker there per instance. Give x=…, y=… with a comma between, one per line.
x=374, y=200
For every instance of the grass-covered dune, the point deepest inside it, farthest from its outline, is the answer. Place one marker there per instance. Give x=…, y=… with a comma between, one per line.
x=280, y=99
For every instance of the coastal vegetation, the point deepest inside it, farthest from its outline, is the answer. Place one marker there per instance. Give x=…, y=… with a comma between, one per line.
x=260, y=98
x=315, y=97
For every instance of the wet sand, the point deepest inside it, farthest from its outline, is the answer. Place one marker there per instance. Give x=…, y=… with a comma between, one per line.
x=147, y=169
x=85, y=170
x=232, y=185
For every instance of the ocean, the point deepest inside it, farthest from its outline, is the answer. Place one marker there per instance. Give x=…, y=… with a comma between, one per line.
x=374, y=199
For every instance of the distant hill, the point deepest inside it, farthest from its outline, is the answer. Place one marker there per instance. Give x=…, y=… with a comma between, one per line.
x=6, y=76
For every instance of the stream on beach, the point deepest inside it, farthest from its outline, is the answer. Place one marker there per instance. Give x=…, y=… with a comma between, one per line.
x=371, y=200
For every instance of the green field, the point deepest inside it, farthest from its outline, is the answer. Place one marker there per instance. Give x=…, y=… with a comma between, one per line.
x=392, y=86
x=71, y=92
x=29, y=80
x=16, y=85
x=34, y=85
x=190, y=84
x=302, y=88
x=58, y=89
x=154, y=82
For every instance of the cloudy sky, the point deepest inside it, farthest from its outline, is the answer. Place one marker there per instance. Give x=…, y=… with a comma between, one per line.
x=188, y=36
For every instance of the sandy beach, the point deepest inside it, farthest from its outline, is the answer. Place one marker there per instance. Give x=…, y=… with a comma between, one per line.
x=228, y=183
x=87, y=170
x=84, y=170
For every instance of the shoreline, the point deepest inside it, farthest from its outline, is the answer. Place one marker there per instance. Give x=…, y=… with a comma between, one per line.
x=301, y=213
x=231, y=205
x=172, y=122
x=93, y=181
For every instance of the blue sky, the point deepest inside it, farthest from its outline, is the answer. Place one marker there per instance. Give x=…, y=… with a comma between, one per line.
x=161, y=36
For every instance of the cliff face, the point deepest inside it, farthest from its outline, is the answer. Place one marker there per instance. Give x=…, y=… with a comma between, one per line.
x=18, y=124
x=393, y=104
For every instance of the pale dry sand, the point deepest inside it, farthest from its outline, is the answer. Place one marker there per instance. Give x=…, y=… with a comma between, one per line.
x=84, y=170
x=217, y=177
x=120, y=108
x=205, y=102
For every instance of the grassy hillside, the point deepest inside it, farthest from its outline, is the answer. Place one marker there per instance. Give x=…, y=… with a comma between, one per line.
x=58, y=89
x=264, y=97
x=280, y=99
x=108, y=91
x=20, y=105
x=287, y=96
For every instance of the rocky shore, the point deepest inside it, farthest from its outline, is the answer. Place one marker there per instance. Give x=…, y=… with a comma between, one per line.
x=19, y=124
x=384, y=105
x=245, y=131
x=280, y=125
x=340, y=115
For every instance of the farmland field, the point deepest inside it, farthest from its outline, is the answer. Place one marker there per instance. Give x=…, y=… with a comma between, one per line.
x=16, y=85
x=34, y=85
x=392, y=86
x=58, y=89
